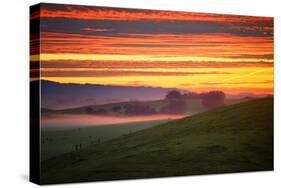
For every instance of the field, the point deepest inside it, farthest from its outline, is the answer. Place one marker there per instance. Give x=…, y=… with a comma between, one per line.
x=56, y=142
x=234, y=138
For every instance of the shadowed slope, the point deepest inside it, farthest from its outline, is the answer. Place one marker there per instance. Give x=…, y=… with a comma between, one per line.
x=235, y=138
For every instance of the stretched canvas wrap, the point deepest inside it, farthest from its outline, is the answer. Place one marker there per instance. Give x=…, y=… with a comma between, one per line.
x=130, y=93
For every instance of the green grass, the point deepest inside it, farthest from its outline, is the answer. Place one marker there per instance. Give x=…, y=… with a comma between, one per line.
x=57, y=142
x=235, y=138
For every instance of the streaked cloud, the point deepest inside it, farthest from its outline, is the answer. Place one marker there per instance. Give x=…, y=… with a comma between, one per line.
x=108, y=13
x=137, y=58
x=94, y=29
x=92, y=72
x=129, y=47
x=211, y=45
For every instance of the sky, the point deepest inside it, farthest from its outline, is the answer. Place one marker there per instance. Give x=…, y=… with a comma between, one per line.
x=134, y=47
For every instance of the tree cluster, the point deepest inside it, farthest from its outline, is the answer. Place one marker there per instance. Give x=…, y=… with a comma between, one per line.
x=213, y=99
x=92, y=111
x=210, y=100
x=138, y=109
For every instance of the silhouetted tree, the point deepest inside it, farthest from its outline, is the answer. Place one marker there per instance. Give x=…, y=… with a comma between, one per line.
x=91, y=111
x=116, y=108
x=173, y=95
x=100, y=112
x=174, y=107
x=213, y=99
x=139, y=109
x=192, y=95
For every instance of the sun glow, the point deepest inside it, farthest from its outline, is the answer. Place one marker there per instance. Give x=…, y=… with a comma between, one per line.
x=189, y=51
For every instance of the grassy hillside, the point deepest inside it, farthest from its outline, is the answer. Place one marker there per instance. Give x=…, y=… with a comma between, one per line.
x=57, y=142
x=235, y=138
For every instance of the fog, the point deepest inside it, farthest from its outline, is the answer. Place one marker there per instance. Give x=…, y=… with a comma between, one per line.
x=79, y=121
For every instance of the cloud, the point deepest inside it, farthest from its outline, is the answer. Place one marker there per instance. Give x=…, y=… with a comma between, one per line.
x=211, y=45
x=235, y=83
x=94, y=29
x=162, y=48
x=108, y=13
x=118, y=73
x=73, y=18
x=113, y=65
x=140, y=58
x=114, y=27
x=263, y=56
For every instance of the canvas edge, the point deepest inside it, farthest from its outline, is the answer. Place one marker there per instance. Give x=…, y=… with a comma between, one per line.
x=34, y=102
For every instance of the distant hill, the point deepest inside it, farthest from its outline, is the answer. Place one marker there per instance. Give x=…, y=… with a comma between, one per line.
x=69, y=95
x=57, y=95
x=191, y=106
x=234, y=138
x=246, y=95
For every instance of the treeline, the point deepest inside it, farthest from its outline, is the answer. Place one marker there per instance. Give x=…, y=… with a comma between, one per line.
x=212, y=99
x=175, y=102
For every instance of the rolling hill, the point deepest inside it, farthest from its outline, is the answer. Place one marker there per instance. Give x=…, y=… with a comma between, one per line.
x=57, y=95
x=234, y=138
x=192, y=106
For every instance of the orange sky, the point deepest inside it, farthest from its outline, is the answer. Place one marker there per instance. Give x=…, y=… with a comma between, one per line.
x=190, y=51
